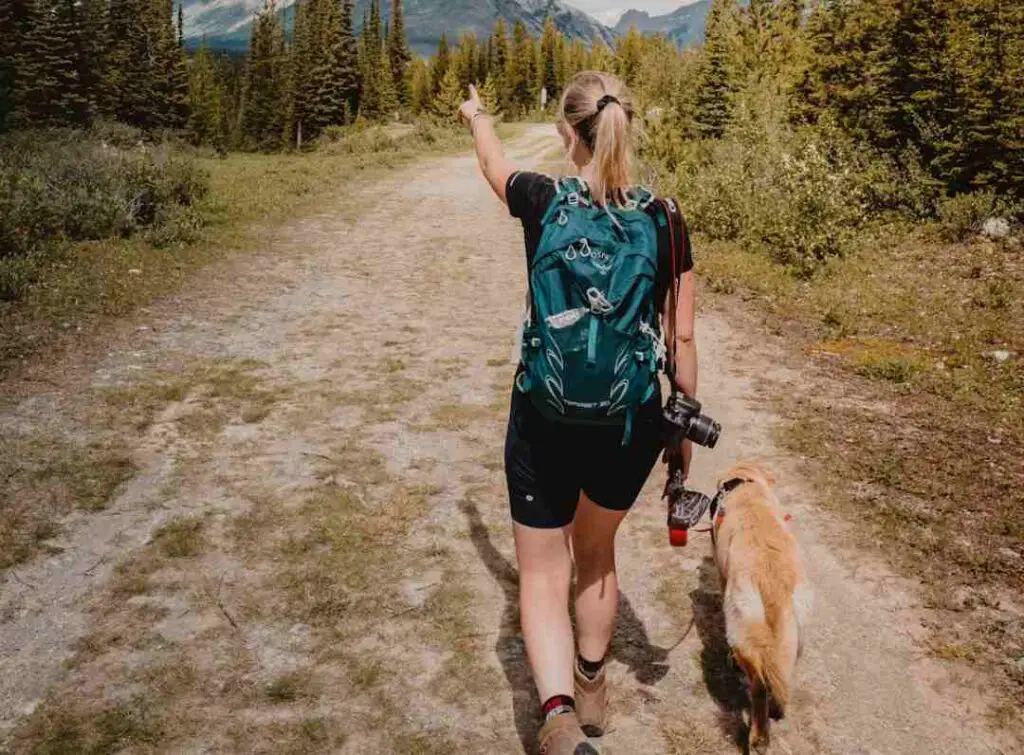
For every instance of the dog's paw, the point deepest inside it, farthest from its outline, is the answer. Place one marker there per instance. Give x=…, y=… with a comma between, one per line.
x=759, y=742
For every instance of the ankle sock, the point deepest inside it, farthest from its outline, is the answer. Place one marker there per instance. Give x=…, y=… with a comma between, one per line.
x=589, y=669
x=556, y=706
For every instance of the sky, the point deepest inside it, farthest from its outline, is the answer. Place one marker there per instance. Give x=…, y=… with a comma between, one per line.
x=609, y=11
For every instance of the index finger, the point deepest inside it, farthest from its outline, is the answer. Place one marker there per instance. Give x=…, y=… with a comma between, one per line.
x=472, y=92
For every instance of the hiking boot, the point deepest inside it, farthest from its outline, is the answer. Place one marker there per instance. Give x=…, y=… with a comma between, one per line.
x=562, y=735
x=592, y=700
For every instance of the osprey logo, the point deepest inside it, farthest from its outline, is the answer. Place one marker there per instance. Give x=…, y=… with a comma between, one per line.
x=582, y=250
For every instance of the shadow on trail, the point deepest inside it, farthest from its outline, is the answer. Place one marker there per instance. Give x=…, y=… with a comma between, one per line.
x=631, y=645
x=723, y=679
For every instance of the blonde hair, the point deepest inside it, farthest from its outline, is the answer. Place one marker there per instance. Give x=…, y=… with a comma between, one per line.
x=599, y=108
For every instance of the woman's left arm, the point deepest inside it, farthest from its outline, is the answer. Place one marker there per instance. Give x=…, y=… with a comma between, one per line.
x=685, y=347
x=497, y=168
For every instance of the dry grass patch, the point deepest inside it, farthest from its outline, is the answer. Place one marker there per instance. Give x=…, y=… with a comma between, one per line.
x=44, y=477
x=75, y=727
x=690, y=738
x=459, y=416
x=306, y=736
x=181, y=538
x=293, y=686
x=384, y=401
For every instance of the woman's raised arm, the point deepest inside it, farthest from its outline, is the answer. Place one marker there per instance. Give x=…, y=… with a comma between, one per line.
x=493, y=164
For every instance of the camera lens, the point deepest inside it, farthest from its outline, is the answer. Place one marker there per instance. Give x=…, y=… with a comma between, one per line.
x=704, y=431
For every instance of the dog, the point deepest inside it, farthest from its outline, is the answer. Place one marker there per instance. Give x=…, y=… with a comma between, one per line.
x=767, y=597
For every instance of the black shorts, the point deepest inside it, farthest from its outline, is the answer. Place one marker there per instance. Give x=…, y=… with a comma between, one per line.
x=548, y=464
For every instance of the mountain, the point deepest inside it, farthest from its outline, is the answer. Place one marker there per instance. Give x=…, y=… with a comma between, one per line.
x=685, y=25
x=226, y=24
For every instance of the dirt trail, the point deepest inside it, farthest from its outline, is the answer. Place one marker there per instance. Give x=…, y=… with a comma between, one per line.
x=339, y=438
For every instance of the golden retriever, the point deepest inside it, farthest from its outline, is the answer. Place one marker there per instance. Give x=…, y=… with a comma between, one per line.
x=766, y=593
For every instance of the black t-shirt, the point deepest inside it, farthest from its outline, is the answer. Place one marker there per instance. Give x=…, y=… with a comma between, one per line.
x=529, y=195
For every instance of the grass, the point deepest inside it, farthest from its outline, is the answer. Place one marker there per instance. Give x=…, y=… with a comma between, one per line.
x=46, y=476
x=181, y=538
x=66, y=728
x=459, y=416
x=293, y=686
x=80, y=286
x=177, y=539
x=910, y=425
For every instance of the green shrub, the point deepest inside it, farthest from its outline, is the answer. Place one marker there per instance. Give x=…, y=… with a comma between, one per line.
x=334, y=133
x=79, y=186
x=962, y=216
x=358, y=140
x=796, y=195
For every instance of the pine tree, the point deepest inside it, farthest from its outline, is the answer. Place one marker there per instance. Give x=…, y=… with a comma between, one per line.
x=420, y=90
x=498, y=64
x=451, y=94
x=716, y=83
x=439, y=66
x=388, y=92
x=331, y=93
x=489, y=95
x=206, y=117
x=176, y=68
x=550, y=58
x=50, y=92
x=398, y=52
x=600, y=58
x=92, y=55
x=15, y=24
x=370, y=40
x=302, y=60
x=346, y=64
x=988, y=56
x=576, y=60
x=519, y=70
x=264, y=101
x=756, y=32
x=143, y=78
x=628, y=56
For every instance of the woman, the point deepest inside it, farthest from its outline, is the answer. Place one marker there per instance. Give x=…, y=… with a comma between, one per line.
x=570, y=486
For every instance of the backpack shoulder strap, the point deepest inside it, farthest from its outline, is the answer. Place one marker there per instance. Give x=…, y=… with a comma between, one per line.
x=570, y=191
x=672, y=236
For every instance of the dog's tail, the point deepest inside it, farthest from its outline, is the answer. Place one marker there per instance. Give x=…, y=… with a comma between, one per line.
x=760, y=649
x=758, y=652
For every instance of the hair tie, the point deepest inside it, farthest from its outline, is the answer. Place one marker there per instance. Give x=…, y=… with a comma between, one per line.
x=607, y=100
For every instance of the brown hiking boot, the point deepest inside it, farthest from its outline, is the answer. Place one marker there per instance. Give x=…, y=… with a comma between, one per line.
x=592, y=700
x=562, y=735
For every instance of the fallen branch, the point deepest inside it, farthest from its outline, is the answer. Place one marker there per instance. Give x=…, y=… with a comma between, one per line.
x=88, y=572
x=215, y=597
x=224, y=610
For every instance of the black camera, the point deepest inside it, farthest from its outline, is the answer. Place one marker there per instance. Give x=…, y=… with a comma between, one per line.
x=684, y=420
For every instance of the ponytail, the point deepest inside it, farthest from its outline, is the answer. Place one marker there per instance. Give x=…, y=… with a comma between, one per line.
x=599, y=109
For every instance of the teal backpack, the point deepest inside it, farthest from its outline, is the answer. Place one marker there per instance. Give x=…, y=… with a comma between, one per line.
x=592, y=344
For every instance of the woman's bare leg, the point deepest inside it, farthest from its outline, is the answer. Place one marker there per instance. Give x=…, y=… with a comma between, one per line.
x=597, y=591
x=545, y=569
